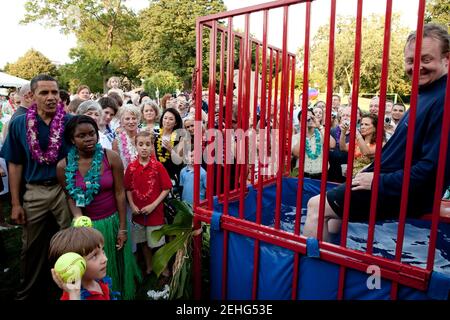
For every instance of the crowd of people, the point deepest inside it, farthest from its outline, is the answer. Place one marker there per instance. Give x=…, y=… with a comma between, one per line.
x=366, y=126
x=113, y=159
x=117, y=156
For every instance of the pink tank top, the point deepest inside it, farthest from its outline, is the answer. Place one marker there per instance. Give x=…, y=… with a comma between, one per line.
x=104, y=203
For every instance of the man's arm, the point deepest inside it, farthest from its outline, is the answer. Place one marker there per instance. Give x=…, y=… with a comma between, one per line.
x=425, y=160
x=424, y=163
x=15, y=177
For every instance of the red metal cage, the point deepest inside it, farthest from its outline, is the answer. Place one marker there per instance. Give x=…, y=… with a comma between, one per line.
x=256, y=59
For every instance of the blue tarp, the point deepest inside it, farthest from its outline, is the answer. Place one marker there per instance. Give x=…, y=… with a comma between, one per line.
x=319, y=279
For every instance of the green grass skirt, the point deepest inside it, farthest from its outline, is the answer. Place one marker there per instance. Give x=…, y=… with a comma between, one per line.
x=122, y=265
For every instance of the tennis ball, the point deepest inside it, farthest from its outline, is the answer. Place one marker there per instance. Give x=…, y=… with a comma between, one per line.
x=70, y=267
x=82, y=221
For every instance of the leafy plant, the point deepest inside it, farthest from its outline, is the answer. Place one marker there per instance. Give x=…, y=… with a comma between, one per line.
x=294, y=173
x=180, y=246
x=180, y=229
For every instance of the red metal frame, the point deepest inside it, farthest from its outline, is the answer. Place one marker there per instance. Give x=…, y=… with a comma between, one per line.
x=382, y=109
x=409, y=142
x=393, y=270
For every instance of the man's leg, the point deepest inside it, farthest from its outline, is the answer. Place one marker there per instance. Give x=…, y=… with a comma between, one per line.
x=60, y=207
x=334, y=225
x=312, y=219
x=35, y=243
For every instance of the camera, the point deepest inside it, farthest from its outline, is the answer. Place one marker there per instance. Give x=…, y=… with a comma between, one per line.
x=387, y=120
x=333, y=114
x=347, y=123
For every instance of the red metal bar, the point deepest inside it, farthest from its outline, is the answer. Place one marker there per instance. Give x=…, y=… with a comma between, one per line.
x=439, y=177
x=262, y=125
x=239, y=35
x=351, y=151
x=262, y=152
x=269, y=109
x=245, y=118
x=229, y=106
x=251, y=9
x=211, y=107
x=197, y=263
x=326, y=140
x=255, y=270
x=380, y=128
x=409, y=142
x=408, y=275
x=239, y=112
x=255, y=107
x=275, y=99
x=291, y=116
x=221, y=96
x=288, y=162
x=286, y=119
x=275, y=104
x=301, y=162
x=302, y=132
x=282, y=132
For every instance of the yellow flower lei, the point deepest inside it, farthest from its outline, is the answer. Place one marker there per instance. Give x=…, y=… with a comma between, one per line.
x=163, y=158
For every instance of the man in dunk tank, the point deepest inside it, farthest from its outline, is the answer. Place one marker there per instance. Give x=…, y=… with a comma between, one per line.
x=430, y=108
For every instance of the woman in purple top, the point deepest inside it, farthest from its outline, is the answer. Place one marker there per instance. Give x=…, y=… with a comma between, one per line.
x=93, y=179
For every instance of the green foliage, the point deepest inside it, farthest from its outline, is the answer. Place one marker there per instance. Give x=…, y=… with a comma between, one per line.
x=86, y=69
x=31, y=64
x=164, y=81
x=105, y=31
x=181, y=247
x=181, y=229
x=438, y=11
x=169, y=37
x=371, y=55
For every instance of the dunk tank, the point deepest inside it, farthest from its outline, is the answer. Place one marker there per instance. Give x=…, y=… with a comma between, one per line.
x=256, y=211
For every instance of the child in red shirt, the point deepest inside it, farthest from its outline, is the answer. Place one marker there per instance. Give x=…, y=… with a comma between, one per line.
x=87, y=242
x=147, y=184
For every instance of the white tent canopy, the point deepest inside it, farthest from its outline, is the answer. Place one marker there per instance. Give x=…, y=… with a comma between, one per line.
x=9, y=81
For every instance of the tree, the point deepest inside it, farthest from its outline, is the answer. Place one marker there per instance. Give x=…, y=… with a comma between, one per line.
x=162, y=81
x=168, y=36
x=30, y=65
x=438, y=11
x=105, y=31
x=86, y=69
x=371, y=55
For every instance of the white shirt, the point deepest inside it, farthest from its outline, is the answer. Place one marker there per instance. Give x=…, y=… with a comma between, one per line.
x=104, y=141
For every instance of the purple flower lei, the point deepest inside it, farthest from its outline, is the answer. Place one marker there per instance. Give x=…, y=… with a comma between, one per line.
x=55, y=136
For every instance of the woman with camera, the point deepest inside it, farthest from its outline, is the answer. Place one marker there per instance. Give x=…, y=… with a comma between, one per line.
x=365, y=141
